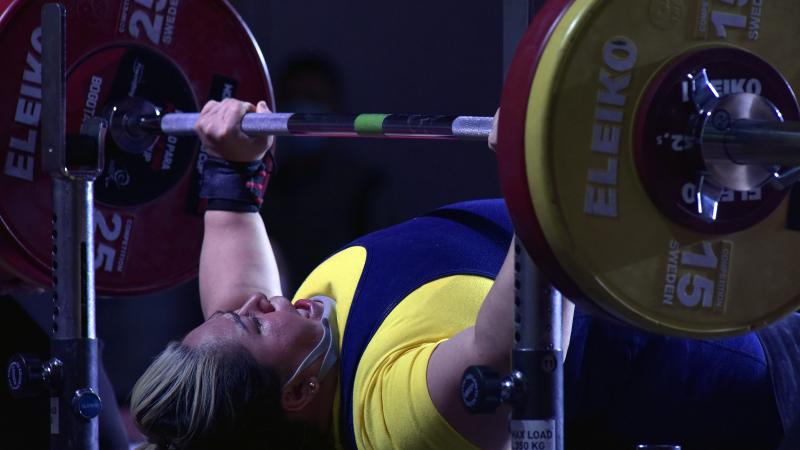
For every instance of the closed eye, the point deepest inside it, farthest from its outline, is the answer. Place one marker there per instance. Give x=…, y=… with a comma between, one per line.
x=257, y=323
x=238, y=320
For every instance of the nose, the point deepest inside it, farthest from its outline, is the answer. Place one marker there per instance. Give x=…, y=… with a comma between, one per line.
x=257, y=303
x=281, y=303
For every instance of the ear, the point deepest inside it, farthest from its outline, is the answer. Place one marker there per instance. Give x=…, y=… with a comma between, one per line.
x=299, y=394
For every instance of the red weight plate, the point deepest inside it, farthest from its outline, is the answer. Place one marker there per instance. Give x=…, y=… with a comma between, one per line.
x=664, y=158
x=148, y=217
x=511, y=145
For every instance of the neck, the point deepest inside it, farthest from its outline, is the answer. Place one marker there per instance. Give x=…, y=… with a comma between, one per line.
x=323, y=418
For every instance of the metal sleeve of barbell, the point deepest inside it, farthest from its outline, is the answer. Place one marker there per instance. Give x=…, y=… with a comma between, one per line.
x=397, y=126
x=760, y=142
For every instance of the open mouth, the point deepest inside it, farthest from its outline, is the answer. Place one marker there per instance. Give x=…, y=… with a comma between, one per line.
x=306, y=308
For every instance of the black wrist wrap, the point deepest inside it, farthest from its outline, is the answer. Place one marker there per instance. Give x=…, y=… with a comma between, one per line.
x=235, y=186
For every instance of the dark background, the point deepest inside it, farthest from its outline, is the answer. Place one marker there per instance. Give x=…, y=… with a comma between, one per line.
x=442, y=56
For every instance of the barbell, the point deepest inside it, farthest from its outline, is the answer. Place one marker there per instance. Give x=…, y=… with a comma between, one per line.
x=647, y=150
x=136, y=125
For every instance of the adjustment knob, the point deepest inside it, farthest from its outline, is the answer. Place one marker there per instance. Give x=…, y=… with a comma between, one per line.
x=86, y=403
x=25, y=376
x=481, y=390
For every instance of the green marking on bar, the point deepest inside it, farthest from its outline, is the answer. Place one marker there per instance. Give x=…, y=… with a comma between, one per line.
x=370, y=124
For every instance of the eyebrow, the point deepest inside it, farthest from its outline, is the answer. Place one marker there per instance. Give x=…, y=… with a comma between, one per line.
x=236, y=318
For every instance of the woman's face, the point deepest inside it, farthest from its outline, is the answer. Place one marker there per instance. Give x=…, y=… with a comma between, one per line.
x=277, y=333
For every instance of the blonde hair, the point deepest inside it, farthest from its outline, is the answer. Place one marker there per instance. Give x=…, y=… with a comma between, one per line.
x=214, y=396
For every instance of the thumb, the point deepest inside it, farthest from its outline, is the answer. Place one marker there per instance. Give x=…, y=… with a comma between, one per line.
x=262, y=107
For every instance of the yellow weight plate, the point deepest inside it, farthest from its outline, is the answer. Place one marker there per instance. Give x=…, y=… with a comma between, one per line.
x=623, y=247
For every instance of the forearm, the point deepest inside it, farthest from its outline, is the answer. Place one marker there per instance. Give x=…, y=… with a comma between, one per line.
x=494, y=327
x=236, y=261
x=488, y=343
x=493, y=334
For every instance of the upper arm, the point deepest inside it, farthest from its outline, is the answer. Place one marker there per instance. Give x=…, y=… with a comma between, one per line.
x=488, y=343
x=445, y=368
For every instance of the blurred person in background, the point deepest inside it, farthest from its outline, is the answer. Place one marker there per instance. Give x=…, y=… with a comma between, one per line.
x=322, y=181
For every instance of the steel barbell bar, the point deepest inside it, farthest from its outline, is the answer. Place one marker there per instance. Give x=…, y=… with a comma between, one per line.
x=136, y=123
x=748, y=141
